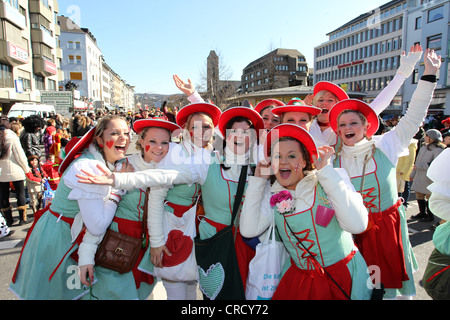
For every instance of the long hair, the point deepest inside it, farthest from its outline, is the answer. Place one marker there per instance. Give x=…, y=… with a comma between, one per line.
x=4, y=124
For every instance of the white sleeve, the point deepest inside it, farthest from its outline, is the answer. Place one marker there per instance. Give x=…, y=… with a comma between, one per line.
x=155, y=177
x=384, y=98
x=394, y=142
x=195, y=98
x=348, y=204
x=440, y=205
x=256, y=215
x=97, y=214
x=88, y=248
x=82, y=190
x=155, y=221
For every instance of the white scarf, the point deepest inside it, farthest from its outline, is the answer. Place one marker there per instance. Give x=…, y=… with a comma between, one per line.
x=235, y=162
x=353, y=157
x=99, y=157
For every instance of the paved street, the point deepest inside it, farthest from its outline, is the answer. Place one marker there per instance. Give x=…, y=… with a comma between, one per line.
x=419, y=232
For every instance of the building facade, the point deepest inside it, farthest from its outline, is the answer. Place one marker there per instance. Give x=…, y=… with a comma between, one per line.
x=428, y=25
x=277, y=69
x=363, y=55
x=30, y=55
x=82, y=60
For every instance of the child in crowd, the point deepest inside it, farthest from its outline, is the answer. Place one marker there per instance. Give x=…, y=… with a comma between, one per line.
x=34, y=183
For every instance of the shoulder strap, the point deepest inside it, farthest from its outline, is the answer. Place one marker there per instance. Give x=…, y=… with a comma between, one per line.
x=239, y=192
x=144, y=218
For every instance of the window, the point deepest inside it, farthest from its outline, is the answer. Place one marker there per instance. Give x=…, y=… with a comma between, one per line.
x=69, y=44
x=418, y=23
x=51, y=85
x=434, y=42
x=436, y=14
x=77, y=45
x=76, y=76
x=6, y=77
x=415, y=76
x=40, y=84
x=71, y=59
x=78, y=59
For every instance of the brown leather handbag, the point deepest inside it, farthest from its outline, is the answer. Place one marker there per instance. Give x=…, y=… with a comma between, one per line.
x=119, y=252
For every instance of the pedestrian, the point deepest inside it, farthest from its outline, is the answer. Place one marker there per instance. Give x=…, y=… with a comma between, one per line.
x=35, y=185
x=107, y=284
x=404, y=167
x=49, y=135
x=323, y=264
x=432, y=147
x=370, y=164
x=172, y=226
x=446, y=138
x=30, y=136
x=436, y=278
x=14, y=170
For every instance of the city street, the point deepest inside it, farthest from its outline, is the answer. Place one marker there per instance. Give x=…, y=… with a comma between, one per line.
x=419, y=232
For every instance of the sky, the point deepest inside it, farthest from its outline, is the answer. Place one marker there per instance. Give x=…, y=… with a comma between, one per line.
x=146, y=42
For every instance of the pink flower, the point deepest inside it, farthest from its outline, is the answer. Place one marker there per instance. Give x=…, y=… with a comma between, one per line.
x=283, y=201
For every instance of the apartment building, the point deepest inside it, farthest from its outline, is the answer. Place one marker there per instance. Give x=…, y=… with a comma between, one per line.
x=29, y=53
x=428, y=25
x=82, y=60
x=277, y=69
x=363, y=55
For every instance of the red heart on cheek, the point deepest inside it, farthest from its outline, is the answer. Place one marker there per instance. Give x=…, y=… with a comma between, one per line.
x=147, y=147
x=109, y=144
x=180, y=246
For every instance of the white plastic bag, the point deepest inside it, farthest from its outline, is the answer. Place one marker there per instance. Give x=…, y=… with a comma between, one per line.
x=264, y=272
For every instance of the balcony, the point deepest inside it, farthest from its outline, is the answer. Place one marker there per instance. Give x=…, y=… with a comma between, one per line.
x=12, y=15
x=39, y=35
x=36, y=6
x=43, y=67
x=12, y=54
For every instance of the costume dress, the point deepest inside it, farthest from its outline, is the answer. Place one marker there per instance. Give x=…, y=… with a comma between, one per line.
x=332, y=246
x=385, y=243
x=172, y=217
x=46, y=268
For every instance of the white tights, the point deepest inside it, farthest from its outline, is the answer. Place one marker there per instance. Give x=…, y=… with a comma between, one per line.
x=182, y=290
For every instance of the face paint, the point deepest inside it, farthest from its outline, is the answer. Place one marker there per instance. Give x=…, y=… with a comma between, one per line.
x=147, y=147
x=109, y=144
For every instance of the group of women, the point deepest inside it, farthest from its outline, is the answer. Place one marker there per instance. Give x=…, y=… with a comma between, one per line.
x=324, y=155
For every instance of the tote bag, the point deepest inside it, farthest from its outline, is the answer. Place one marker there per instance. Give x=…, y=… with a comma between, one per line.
x=218, y=270
x=265, y=268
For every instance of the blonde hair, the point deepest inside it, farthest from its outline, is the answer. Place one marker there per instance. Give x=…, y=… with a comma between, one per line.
x=186, y=134
x=142, y=136
x=320, y=95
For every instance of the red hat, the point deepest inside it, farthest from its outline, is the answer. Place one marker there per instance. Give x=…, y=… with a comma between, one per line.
x=329, y=86
x=50, y=130
x=245, y=112
x=296, y=102
x=213, y=111
x=446, y=120
x=74, y=147
x=358, y=105
x=268, y=102
x=294, y=131
x=313, y=111
x=139, y=125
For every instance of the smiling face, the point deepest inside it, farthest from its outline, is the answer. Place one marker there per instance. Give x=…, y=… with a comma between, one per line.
x=325, y=100
x=352, y=127
x=301, y=119
x=155, y=144
x=239, y=137
x=270, y=120
x=201, y=129
x=115, y=140
x=288, y=161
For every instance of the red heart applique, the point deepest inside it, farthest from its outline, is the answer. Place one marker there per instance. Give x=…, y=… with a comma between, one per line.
x=109, y=144
x=147, y=147
x=180, y=246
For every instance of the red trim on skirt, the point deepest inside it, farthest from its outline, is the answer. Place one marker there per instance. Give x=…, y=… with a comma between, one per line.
x=315, y=284
x=244, y=253
x=381, y=245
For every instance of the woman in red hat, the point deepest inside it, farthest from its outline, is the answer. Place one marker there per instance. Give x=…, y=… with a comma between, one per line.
x=154, y=143
x=370, y=164
x=327, y=94
x=324, y=263
x=172, y=226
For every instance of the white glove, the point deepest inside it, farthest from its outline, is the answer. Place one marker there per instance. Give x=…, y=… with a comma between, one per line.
x=408, y=62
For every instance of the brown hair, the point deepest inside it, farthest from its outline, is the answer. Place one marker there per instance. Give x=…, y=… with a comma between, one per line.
x=309, y=165
x=101, y=127
x=142, y=136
